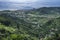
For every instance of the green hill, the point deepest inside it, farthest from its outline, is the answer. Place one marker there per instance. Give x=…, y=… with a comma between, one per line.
x=30, y=25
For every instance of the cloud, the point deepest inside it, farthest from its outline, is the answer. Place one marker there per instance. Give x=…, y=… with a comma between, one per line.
x=11, y=5
x=21, y=4
x=19, y=0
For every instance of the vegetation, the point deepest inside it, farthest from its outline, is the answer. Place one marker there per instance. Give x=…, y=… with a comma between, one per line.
x=36, y=24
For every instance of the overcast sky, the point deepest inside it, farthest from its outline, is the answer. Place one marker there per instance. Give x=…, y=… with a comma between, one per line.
x=21, y=4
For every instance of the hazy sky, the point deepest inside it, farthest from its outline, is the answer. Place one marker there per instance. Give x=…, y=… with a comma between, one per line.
x=19, y=0
x=21, y=4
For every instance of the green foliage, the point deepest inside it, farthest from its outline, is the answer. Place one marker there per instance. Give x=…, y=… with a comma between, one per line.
x=56, y=37
x=32, y=25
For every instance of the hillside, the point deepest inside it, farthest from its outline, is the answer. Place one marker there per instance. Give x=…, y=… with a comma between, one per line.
x=30, y=25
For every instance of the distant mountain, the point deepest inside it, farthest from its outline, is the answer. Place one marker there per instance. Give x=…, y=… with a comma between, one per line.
x=47, y=10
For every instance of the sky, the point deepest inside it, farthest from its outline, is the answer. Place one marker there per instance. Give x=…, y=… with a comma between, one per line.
x=27, y=4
